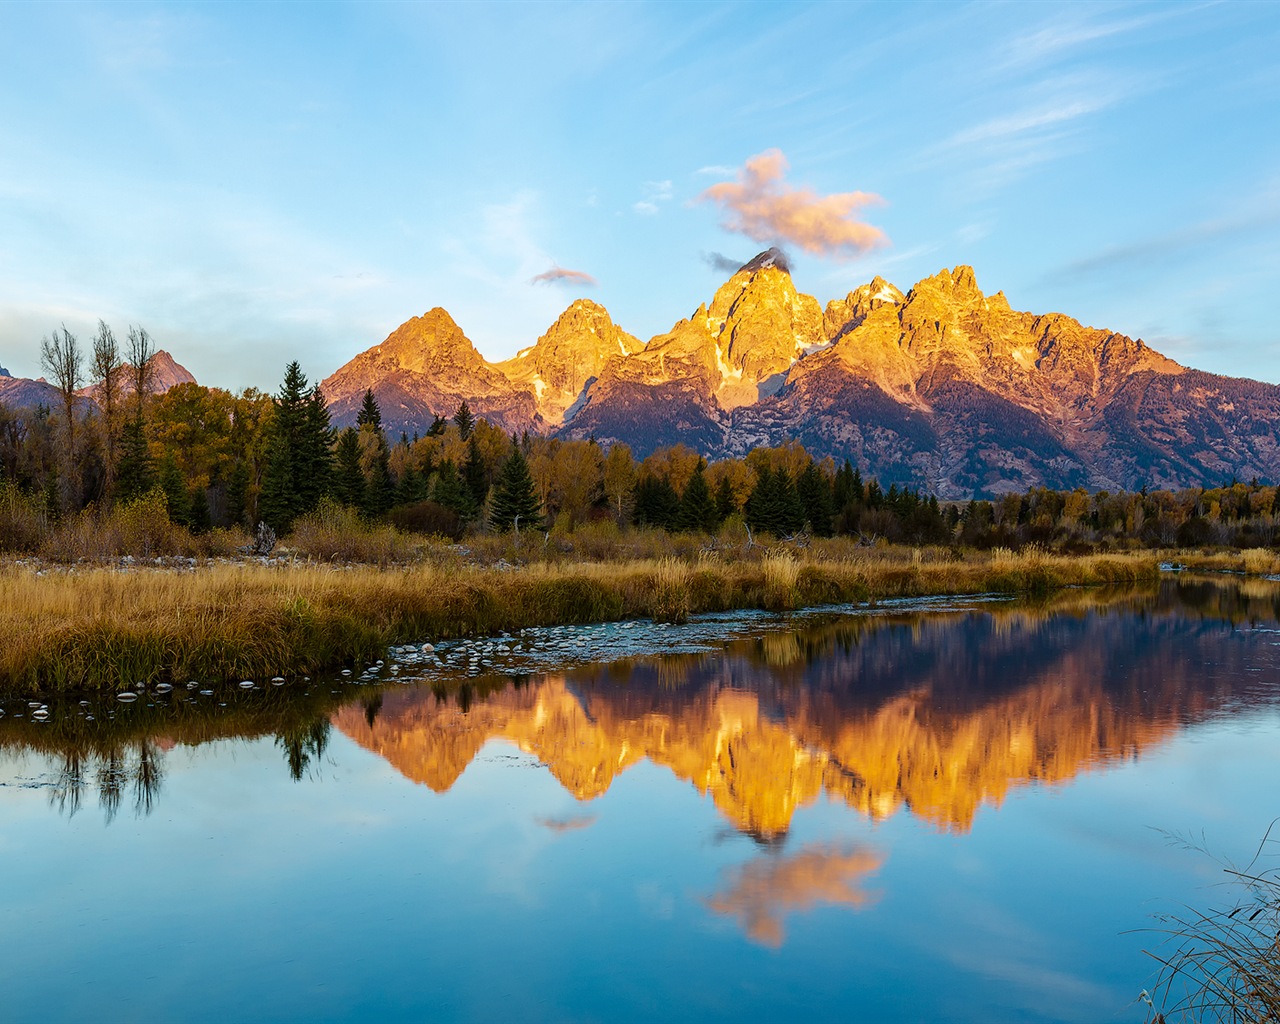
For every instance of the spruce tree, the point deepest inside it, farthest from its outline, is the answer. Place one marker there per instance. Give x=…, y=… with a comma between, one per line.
x=726, y=505
x=134, y=475
x=816, y=496
x=348, y=482
x=450, y=491
x=464, y=419
x=411, y=487
x=379, y=489
x=299, y=466
x=238, y=494
x=697, y=508
x=369, y=415
x=175, y=491
x=199, y=519
x=657, y=503
x=437, y=426
x=515, y=500
x=474, y=474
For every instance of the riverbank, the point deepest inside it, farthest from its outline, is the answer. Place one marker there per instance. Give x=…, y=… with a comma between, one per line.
x=98, y=627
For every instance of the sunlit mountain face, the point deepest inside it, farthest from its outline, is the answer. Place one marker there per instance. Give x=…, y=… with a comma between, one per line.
x=935, y=715
x=943, y=386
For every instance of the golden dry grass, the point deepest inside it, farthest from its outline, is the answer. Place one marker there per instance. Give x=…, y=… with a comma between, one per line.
x=101, y=627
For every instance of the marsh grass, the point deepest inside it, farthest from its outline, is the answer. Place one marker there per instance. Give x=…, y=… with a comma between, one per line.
x=101, y=627
x=1223, y=964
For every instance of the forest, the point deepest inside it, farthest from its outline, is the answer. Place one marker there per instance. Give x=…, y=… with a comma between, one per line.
x=207, y=461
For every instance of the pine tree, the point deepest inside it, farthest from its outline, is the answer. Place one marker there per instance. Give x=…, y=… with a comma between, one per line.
x=726, y=504
x=515, y=500
x=411, y=487
x=379, y=489
x=474, y=474
x=175, y=491
x=133, y=474
x=697, y=508
x=450, y=491
x=238, y=494
x=774, y=506
x=299, y=465
x=817, y=499
x=464, y=419
x=348, y=483
x=437, y=426
x=369, y=415
x=657, y=503
x=199, y=519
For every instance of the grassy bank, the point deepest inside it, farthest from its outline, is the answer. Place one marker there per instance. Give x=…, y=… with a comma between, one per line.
x=99, y=627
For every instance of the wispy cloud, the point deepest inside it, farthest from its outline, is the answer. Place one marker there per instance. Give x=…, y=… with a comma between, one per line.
x=654, y=194
x=558, y=274
x=1171, y=245
x=1064, y=37
x=762, y=205
x=1025, y=121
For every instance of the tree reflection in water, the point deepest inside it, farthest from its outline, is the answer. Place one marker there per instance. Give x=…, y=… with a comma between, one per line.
x=112, y=772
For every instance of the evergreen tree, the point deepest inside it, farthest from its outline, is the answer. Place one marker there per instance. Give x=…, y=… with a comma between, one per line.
x=299, y=464
x=200, y=519
x=515, y=500
x=411, y=487
x=437, y=426
x=369, y=415
x=848, y=487
x=657, y=503
x=379, y=489
x=464, y=419
x=134, y=475
x=175, y=491
x=725, y=503
x=316, y=445
x=774, y=506
x=816, y=497
x=238, y=493
x=473, y=473
x=450, y=491
x=348, y=483
x=697, y=511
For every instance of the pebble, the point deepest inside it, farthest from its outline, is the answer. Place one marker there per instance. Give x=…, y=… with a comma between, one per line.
x=127, y=696
x=246, y=684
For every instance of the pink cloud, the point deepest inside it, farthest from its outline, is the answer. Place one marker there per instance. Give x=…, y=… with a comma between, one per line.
x=764, y=207
x=561, y=274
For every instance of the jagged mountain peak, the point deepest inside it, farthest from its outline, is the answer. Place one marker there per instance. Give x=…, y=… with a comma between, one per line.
x=771, y=257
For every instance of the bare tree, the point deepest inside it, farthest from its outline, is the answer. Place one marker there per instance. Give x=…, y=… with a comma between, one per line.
x=142, y=350
x=108, y=375
x=61, y=359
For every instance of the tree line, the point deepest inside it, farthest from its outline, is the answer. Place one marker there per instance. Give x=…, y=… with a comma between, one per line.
x=232, y=460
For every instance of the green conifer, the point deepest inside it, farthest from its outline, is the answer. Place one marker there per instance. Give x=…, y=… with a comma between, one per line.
x=515, y=500
x=697, y=511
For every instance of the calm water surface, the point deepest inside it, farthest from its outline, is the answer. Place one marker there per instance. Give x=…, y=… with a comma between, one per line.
x=953, y=813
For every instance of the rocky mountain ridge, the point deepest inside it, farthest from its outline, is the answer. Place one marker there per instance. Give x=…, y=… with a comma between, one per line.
x=942, y=386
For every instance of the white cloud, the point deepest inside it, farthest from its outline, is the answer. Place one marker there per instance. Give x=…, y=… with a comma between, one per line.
x=654, y=193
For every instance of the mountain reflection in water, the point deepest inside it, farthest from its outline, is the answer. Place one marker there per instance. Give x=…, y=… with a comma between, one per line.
x=938, y=712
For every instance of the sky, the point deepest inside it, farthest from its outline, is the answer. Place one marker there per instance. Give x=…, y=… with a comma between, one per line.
x=256, y=183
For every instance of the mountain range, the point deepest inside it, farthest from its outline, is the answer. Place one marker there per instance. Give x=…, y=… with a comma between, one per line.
x=944, y=387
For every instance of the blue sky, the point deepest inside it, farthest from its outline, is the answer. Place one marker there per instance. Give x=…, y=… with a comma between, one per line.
x=256, y=183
